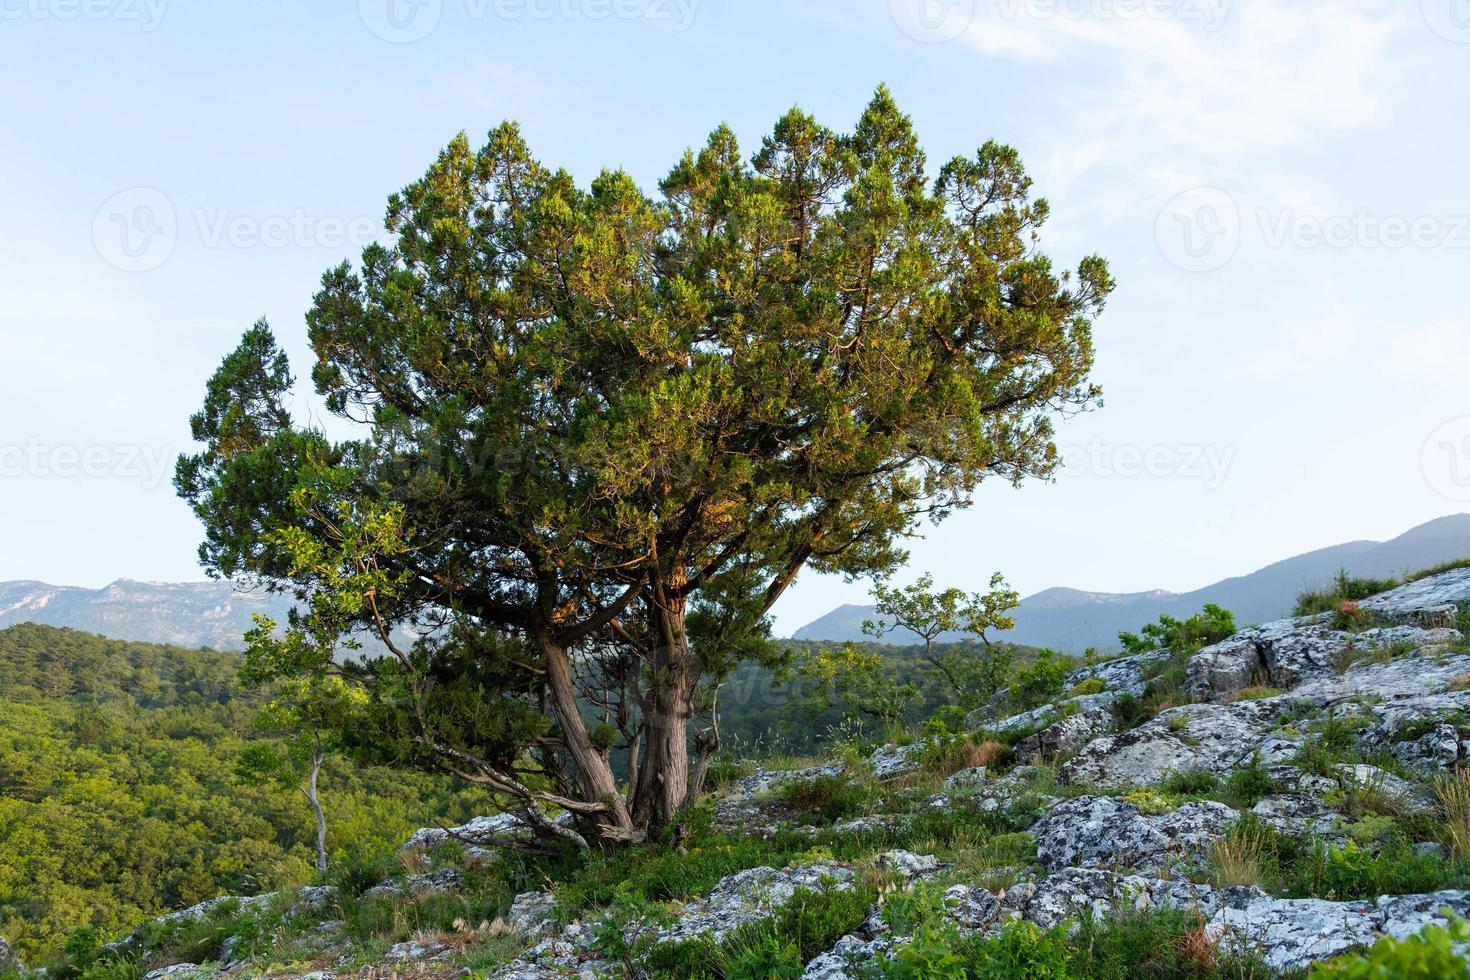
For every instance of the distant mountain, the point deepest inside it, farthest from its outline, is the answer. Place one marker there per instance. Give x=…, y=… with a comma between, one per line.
x=189, y=614
x=185, y=614
x=1071, y=620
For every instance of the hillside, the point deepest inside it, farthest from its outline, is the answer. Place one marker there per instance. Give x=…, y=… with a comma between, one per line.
x=120, y=798
x=1071, y=620
x=1246, y=805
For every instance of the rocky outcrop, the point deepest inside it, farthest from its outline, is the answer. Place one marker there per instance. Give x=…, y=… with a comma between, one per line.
x=1067, y=735
x=896, y=760
x=415, y=885
x=1291, y=652
x=752, y=894
x=1107, y=832
x=1430, y=602
x=533, y=913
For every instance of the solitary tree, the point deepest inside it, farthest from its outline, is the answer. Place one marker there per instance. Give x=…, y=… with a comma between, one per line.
x=603, y=432
x=928, y=614
x=301, y=724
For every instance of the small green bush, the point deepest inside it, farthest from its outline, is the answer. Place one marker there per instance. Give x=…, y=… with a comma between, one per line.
x=1430, y=954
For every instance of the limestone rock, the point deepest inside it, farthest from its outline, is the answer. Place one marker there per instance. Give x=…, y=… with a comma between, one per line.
x=1103, y=831
x=1074, y=893
x=1067, y=735
x=533, y=912
x=972, y=908
x=908, y=865
x=965, y=778
x=415, y=885
x=1431, y=601
x=1292, y=933
x=896, y=760
x=750, y=895
x=848, y=959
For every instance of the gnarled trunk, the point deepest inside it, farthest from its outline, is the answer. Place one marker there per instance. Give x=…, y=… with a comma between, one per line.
x=662, y=789
x=594, y=776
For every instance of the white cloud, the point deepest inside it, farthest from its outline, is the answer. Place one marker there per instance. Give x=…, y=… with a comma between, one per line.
x=1269, y=75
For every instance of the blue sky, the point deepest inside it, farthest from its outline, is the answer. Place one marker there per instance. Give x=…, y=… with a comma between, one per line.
x=1280, y=186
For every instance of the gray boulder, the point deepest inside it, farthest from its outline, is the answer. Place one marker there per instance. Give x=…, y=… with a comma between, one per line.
x=751, y=895
x=1293, y=933
x=1075, y=893
x=1103, y=831
x=1431, y=602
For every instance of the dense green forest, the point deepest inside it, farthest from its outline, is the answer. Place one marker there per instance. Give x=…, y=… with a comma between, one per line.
x=119, y=797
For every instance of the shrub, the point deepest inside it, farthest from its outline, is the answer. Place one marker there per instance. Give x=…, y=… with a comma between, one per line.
x=829, y=798
x=1430, y=954
x=1093, y=685
x=1040, y=681
x=1248, y=785
x=1191, y=782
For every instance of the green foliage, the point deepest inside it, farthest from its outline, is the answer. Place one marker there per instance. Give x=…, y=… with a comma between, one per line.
x=829, y=798
x=1093, y=685
x=117, y=764
x=1181, y=639
x=596, y=415
x=971, y=679
x=1345, y=588
x=1191, y=782
x=1211, y=625
x=1429, y=954
x=807, y=925
x=1040, y=681
x=1248, y=785
x=857, y=681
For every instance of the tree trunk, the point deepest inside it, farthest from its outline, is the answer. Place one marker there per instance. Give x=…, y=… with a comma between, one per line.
x=316, y=808
x=663, y=776
x=594, y=775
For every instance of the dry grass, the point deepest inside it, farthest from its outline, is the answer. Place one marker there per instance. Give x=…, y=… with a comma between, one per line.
x=1370, y=796
x=1237, y=857
x=1197, y=948
x=1461, y=683
x=1453, y=792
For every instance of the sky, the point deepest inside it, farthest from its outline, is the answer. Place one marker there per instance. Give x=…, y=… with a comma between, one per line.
x=1278, y=185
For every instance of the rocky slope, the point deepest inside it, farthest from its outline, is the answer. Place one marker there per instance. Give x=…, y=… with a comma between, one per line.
x=1328, y=741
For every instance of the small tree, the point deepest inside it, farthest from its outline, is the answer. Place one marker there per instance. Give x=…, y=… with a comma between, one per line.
x=929, y=614
x=301, y=725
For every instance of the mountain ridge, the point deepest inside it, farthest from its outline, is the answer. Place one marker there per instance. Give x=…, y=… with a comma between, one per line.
x=1071, y=620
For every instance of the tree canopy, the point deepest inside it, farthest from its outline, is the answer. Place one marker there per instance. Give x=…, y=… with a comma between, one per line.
x=602, y=432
